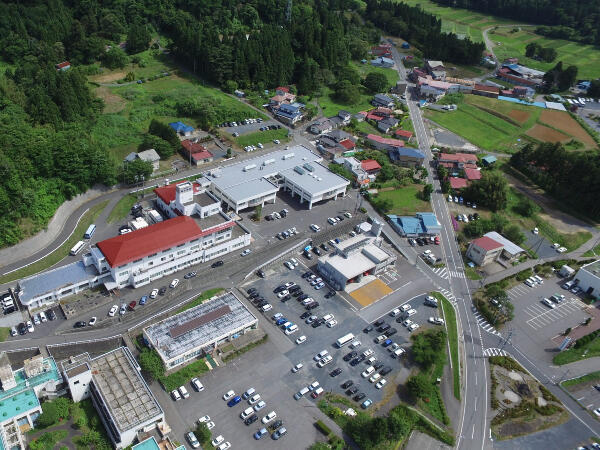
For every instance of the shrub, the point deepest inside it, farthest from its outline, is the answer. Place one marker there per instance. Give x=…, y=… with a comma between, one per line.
x=506, y=362
x=323, y=428
x=524, y=274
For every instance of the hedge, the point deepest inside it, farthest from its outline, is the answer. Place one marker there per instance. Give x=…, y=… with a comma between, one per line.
x=323, y=428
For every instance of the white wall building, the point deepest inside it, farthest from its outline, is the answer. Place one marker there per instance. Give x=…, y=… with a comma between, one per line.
x=118, y=391
x=588, y=278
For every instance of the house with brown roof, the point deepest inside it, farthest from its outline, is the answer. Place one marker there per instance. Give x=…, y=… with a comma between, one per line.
x=484, y=250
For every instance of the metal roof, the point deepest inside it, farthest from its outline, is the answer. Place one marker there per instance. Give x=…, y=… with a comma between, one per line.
x=509, y=246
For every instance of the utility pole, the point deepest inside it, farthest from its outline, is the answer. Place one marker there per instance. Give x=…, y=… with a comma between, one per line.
x=507, y=340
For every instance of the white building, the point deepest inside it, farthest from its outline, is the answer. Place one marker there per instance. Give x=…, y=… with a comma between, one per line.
x=182, y=338
x=588, y=278
x=256, y=181
x=355, y=258
x=187, y=199
x=19, y=397
x=118, y=391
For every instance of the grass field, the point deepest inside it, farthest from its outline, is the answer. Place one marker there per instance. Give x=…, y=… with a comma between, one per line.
x=406, y=200
x=589, y=350
x=498, y=125
x=200, y=299
x=584, y=379
x=4, y=332
x=449, y=316
x=60, y=253
x=471, y=24
x=264, y=137
x=593, y=251
x=122, y=208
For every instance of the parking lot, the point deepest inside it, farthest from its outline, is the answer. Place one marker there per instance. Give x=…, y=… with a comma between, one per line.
x=250, y=128
x=588, y=395
x=545, y=322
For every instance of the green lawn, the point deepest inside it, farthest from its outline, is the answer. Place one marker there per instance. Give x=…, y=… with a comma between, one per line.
x=264, y=137
x=367, y=128
x=406, y=200
x=60, y=253
x=365, y=69
x=584, y=379
x=184, y=375
x=471, y=273
x=200, y=299
x=122, y=208
x=593, y=252
x=4, y=332
x=575, y=354
x=472, y=24
x=449, y=316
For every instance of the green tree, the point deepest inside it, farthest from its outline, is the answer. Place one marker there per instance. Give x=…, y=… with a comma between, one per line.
x=164, y=131
x=346, y=92
x=376, y=82
x=135, y=171
x=138, y=37
x=526, y=207
x=513, y=233
x=427, y=190
x=130, y=76
x=258, y=213
x=115, y=58
x=419, y=386
x=531, y=49
x=203, y=434
x=162, y=147
x=151, y=363
x=230, y=86
x=490, y=191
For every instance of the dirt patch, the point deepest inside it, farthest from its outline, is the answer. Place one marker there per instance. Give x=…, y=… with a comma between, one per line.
x=519, y=116
x=108, y=78
x=563, y=121
x=546, y=134
x=112, y=103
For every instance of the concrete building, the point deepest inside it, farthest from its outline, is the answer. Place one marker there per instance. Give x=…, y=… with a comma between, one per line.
x=184, y=337
x=19, y=397
x=187, y=198
x=355, y=258
x=588, y=279
x=256, y=181
x=510, y=250
x=484, y=250
x=423, y=224
x=118, y=391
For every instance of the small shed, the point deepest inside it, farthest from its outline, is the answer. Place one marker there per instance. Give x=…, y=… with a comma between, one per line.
x=488, y=160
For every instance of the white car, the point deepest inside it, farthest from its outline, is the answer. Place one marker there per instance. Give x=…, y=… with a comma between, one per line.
x=175, y=395
x=174, y=283
x=393, y=347
x=301, y=340
x=255, y=398
x=269, y=417
x=113, y=311
x=289, y=265
x=210, y=425
x=260, y=405
x=407, y=323
x=548, y=303
x=314, y=385
x=413, y=327
x=411, y=312
x=247, y=413
x=43, y=317
x=368, y=372
x=297, y=367
x=395, y=312
x=267, y=307
x=381, y=383
x=154, y=293
x=536, y=231
x=30, y=328
x=204, y=419
x=283, y=293
x=216, y=441
x=321, y=355
x=123, y=309
x=191, y=437
x=224, y=446
x=276, y=141
x=323, y=362
x=92, y=321
x=561, y=249
x=331, y=221
x=36, y=319
x=197, y=384
x=374, y=378
x=246, y=252
x=348, y=215
x=315, y=228
x=555, y=245
x=331, y=323
x=405, y=307
x=183, y=391
x=436, y=320
x=228, y=395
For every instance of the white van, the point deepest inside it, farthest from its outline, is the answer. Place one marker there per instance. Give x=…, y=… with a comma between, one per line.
x=328, y=317
x=529, y=282
x=538, y=279
x=249, y=393
x=298, y=395
x=291, y=329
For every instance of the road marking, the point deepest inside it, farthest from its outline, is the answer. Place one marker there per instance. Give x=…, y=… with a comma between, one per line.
x=494, y=352
x=441, y=272
x=475, y=378
x=581, y=398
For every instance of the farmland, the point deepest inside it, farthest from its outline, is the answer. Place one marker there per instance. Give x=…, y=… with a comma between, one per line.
x=498, y=125
x=510, y=42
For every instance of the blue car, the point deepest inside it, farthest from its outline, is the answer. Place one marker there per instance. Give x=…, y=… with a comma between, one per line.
x=337, y=241
x=143, y=300
x=234, y=401
x=260, y=433
x=387, y=343
x=281, y=321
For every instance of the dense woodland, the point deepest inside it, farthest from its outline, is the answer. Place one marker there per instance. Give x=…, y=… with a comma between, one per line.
x=572, y=177
x=570, y=19
x=423, y=31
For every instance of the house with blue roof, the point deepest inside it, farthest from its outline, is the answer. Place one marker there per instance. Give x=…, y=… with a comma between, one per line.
x=181, y=128
x=288, y=114
x=423, y=224
x=406, y=156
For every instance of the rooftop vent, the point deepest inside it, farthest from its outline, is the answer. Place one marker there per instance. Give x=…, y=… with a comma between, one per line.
x=308, y=167
x=299, y=170
x=288, y=156
x=268, y=161
x=249, y=167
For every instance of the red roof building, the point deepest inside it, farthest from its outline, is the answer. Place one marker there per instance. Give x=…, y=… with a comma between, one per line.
x=167, y=193
x=136, y=245
x=197, y=151
x=458, y=183
x=63, y=65
x=374, y=116
x=404, y=134
x=283, y=89
x=370, y=166
x=457, y=159
x=472, y=174
x=383, y=143
x=487, y=243
x=348, y=144
x=484, y=250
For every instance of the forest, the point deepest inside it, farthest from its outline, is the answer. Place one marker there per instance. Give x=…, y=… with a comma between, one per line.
x=423, y=30
x=571, y=177
x=565, y=19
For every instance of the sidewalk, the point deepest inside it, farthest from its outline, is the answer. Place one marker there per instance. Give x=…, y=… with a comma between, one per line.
x=45, y=237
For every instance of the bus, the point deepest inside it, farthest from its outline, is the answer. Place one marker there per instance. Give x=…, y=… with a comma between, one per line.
x=90, y=231
x=77, y=248
x=344, y=340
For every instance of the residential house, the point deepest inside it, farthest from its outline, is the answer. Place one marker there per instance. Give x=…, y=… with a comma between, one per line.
x=405, y=135
x=472, y=174
x=147, y=155
x=335, y=143
x=282, y=97
x=382, y=100
x=65, y=65
x=505, y=74
x=382, y=143
x=399, y=88
x=321, y=126
x=486, y=91
x=382, y=50
x=382, y=61
x=436, y=89
x=488, y=160
x=345, y=116
x=386, y=124
x=457, y=183
x=360, y=116
x=181, y=128
x=484, y=250
x=406, y=156
x=361, y=176
x=370, y=166
x=417, y=73
x=382, y=111
x=289, y=114
x=436, y=69
x=195, y=152
x=457, y=160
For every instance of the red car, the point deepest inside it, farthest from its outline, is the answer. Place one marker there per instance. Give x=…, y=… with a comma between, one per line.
x=437, y=240
x=131, y=306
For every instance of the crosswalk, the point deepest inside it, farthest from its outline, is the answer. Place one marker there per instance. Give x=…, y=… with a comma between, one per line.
x=444, y=273
x=449, y=295
x=484, y=324
x=494, y=352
